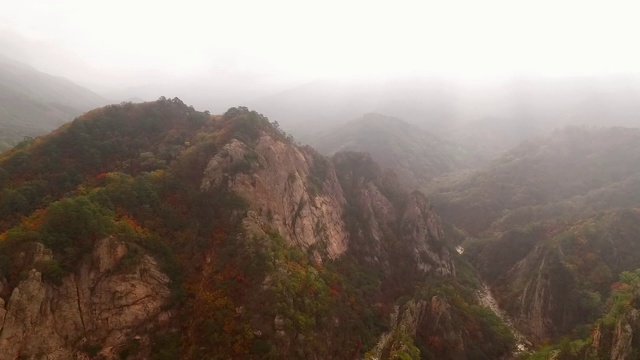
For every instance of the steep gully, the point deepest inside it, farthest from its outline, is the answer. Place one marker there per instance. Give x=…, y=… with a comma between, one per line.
x=486, y=299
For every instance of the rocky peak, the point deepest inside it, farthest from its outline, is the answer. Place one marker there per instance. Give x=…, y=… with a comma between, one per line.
x=310, y=201
x=386, y=213
x=227, y=211
x=292, y=189
x=421, y=227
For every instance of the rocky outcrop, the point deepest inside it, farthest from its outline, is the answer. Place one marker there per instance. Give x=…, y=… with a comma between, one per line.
x=97, y=309
x=543, y=305
x=299, y=193
x=625, y=331
x=236, y=199
x=291, y=189
x=430, y=317
x=382, y=216
x=618, y=342
x=439, y=320
x=398, y=341
x=338, y=206
x=421, y=227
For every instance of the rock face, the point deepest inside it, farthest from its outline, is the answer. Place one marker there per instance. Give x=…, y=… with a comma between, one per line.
x=293, y=189
x=341, y=208
x=418, y=223
x=380, y=215
x=345, y=205
x=538, y=294
x=306, y=197
x=532, y=282
x=96, y=309
x=535, y=302
x=430, y=317
x=404, y=324
x=623, y=338
x=618, y=342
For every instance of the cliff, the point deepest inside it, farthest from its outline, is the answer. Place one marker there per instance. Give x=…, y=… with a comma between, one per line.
x=552, y=278
x=614, y=335
x=285, y=192
x=203, y=235
x=96, y=310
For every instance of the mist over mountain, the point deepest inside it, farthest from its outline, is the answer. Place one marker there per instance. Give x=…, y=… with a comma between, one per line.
x=190, y=232
x=33, y=103
x=413, y=153
x=414, y=180
x=568, y=172
x=494, y=115
x=551, y=226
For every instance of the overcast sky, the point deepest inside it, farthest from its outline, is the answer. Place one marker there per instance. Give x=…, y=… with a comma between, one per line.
x=130, y=42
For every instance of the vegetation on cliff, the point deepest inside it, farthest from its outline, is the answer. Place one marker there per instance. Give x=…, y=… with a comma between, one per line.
x=240, y=288
x=550, y=225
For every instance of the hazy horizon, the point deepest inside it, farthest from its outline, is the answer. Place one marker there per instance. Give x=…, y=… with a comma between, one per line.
x=271, y=44
x=441, y=65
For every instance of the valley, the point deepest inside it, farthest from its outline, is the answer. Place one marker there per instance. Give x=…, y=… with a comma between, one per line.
x=334, y=180
x=380, y=238
x=486, y=299
x=33, y=103
x=251, y=239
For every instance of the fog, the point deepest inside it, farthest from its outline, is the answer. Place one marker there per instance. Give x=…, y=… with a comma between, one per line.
x=438, y=63
x=129, y=42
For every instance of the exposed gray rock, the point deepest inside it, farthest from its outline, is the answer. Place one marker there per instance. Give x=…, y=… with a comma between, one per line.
x=623, y=337
x=619, y=343
x=214, y=173
x=405, y=321
x=98, y=304
x=542, y=298
x=421, y=226
x=281, y=193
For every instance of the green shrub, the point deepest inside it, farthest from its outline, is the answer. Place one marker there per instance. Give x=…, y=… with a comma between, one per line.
x=51, y=271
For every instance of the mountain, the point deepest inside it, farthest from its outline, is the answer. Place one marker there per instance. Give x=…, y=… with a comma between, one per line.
x=309, y=109
x=573, y=171
x=553, y=277
x=550, y=226
x=154, y=231
x=491, y=115
x=33, y=103
x=615, y=333
x=414, y=154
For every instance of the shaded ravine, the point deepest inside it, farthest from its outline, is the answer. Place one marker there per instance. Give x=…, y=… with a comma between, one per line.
x=486, y=299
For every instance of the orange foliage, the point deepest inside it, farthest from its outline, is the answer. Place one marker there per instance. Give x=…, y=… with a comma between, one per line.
x=619, y=285
x=133, y=223
x=36, y=219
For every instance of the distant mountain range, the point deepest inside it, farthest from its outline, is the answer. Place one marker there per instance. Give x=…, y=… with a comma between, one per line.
x=493, y=116
x=415, y=154
x=552, y=226
x=194, y=232
x=33, y=103
x=156, y=231
x=569, y=172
